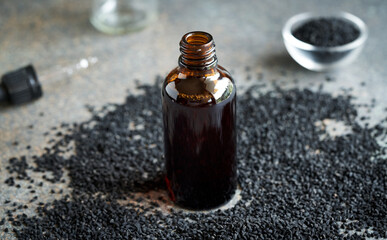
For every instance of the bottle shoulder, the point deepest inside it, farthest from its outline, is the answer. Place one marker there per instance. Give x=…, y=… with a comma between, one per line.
x=199, y=88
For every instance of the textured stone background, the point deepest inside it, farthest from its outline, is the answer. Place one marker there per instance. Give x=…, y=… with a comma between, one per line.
x=49, y=33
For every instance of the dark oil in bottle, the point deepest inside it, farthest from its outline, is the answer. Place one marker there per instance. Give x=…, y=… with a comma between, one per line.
x=199, y=132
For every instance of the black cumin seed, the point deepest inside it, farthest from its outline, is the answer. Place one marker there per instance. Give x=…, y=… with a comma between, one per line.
x=327, y=32
x=296, y=185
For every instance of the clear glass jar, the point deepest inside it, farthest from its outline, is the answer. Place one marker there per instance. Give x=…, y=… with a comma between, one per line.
x=122, y=16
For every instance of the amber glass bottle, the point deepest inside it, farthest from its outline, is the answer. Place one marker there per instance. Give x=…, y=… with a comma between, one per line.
x=198, y=99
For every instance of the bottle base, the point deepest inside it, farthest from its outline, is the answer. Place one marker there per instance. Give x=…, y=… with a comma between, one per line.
x=230, y=203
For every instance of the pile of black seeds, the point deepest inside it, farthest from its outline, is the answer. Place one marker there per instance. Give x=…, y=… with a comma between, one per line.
x=327, y=32
x=294, y=183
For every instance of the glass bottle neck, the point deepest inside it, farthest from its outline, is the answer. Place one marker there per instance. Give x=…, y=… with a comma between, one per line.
x=197, y=51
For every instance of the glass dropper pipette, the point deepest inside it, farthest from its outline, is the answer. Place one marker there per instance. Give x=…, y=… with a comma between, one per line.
x=23, y=85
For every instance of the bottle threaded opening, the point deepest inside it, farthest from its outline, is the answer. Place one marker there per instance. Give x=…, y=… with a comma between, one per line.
x=197, y=51
x=197, y=38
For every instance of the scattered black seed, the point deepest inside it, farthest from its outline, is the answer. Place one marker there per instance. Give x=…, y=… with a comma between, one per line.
x=327, y=32
x=363, y=118
x=33, y=199
x=2, y=221
x=5, y=230
x=28, y=147
x=288, y=189
x=90, y=108
x=10, y=181
x=19, y=165
x=16, y=223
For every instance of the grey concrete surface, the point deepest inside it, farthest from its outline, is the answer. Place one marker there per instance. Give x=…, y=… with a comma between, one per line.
x=49, y=33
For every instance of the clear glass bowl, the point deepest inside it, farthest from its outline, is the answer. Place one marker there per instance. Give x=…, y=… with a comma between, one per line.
x=318, y=58
x=122, y=16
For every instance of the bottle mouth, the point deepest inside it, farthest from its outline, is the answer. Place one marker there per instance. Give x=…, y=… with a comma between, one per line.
x=198, y=38
x=197, y=51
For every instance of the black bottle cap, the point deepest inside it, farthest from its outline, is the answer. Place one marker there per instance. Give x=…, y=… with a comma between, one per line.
x=22, y=85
